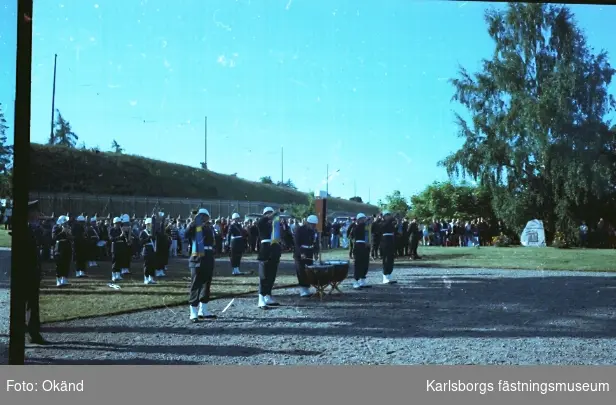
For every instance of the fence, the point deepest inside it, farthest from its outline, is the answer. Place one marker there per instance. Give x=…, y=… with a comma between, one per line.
x=58, y=204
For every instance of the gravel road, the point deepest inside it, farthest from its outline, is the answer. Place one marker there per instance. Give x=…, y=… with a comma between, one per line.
x=432, y=316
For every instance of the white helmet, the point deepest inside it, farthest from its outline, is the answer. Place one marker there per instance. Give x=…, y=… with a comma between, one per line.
x=235, y=215
x=117, y=220
x=267, y=209
x=203, y=211
x=93, y=219
x=61, y=220
x=312, y=219
x=361, y=215
x=80, y=218
x=125, y=218
x=148, y=221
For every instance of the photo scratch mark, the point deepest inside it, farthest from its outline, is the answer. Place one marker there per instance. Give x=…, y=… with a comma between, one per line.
x=220, y=23
x=404, y=155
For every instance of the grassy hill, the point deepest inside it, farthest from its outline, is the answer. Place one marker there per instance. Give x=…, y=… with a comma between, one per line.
x=59, y=169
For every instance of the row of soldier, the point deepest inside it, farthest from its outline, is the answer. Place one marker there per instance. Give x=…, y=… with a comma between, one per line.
x=70, y=245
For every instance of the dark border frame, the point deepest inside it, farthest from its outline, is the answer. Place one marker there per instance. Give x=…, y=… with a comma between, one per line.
x=21, y=180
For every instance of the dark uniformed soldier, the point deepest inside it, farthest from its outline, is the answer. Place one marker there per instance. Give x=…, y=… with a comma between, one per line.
x=269, y=255
x=349, y=235
x=414, y=235
x=33, y=277
x=236, y=238
x=119, y=246
x=63, y=250
x=304, y=252
x=162, y=248
x=147, y=240
x=388, y=246
x=376, y=237
x=361, y=253
x=80, y=245
x=201, y=264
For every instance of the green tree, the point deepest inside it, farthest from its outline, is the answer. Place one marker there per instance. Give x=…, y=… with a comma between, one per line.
x=287, y=184
x=537, y=137
x=266, y=180
x=116, y=147
x=395, y=202
x=447, y=200
x=6, y=151
x=303, y=210
x=63, y=134
x=356, y=199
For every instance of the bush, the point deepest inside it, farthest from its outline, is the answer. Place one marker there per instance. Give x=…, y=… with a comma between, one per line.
x=501, y=240
x=560, y=241
x=58, y=169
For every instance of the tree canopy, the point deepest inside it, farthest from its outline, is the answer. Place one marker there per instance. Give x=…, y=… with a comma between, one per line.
x=537, y=136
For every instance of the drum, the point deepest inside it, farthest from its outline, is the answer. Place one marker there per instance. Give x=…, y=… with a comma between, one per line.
x=320, y=275
x=341, y=270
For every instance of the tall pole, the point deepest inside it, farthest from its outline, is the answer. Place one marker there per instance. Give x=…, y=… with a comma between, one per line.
x=369, y=199
x=282, y=165
x=327, y=182
x=354, y=188
x=21, y=173
x=53, y=96
x=205, y=149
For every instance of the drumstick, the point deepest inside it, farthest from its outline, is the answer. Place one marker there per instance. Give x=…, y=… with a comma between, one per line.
x=228, y=305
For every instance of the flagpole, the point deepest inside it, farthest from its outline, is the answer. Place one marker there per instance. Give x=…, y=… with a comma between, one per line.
x=53, y=96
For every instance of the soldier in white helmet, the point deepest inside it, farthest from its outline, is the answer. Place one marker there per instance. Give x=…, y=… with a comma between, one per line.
x=126, y=257
x=201, y=264
x=63, y=250
x=388, y=245
x=235, y=241
x=81, y=245
x=146, y=238
x=119, y=245
x=304, y=252
x=361, y=252
x=269, y=255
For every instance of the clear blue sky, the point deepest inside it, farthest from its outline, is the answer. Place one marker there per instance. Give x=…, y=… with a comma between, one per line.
x=358, y=85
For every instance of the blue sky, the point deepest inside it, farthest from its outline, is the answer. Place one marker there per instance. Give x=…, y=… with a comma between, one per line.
x=356, y=85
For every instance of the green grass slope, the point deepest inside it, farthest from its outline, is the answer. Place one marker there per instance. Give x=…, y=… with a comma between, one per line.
x=57, y=169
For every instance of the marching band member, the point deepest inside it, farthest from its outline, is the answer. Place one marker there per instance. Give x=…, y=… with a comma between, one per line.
x=127, y=256
x=80, y=242
x=149, y=253
x=162, y=248
x=304, y=252
x=63, y=251
x=361, y=253
x=388, y=228
x=201, y=264
x=236, y=243
x=119, y=245
x=93, y=239
x=269, y=255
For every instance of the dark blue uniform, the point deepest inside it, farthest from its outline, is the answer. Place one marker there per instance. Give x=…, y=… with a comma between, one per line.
x=269, y=256
x=303, y=253
x=62, y=252
x=388, y=244
x=361, y=251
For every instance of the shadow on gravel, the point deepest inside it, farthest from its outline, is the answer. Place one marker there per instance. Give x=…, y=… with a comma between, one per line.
x=429, y=307
x=116, y=362
x=193, y=350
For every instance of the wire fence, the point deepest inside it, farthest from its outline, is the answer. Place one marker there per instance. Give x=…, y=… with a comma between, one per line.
x=58, y=204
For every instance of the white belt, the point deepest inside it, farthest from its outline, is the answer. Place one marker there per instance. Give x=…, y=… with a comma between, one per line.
x=266, y=241
x=306, y=247
x=388, y=234
x=360, y=241
x=207, y=248
x=236, y=237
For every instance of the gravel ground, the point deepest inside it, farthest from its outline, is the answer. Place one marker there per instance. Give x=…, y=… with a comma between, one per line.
x=5, y=300
x=432, y=316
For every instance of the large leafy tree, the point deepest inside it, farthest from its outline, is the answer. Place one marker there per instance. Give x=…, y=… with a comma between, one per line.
x=6, y=159
x=63, y=134
x=451, y=201
x=537, y=135
x=395, y=202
